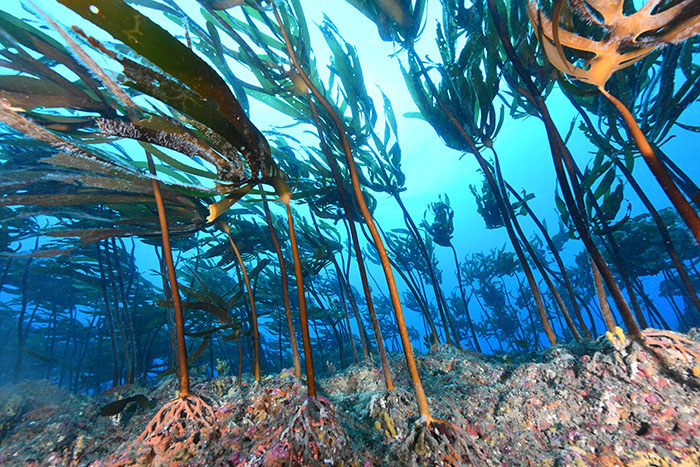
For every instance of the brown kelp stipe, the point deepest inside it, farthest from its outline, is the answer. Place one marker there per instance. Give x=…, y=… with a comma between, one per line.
x=602, y=299
x=421, y=399
x=686, y=211
x=186, y=406
x=503, y=208
x=183, y=375
x=284, y=198
x=629, y=37
x=253, y=313
x=388, y=381
x=285, y=289
x=560, y=155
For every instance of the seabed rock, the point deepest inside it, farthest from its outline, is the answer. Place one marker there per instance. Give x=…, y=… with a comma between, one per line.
x=612, y=401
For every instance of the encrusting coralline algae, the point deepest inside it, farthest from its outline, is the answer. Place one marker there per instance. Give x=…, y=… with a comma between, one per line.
x=612, y=403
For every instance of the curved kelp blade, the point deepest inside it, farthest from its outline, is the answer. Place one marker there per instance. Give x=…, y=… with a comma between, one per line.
x=150, y=40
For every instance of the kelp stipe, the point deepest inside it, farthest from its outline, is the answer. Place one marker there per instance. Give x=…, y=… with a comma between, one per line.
x=187, y=406
x=285, y=196
x=564, y=168
x=386, y=371
x=407, y=348
x=500, y=200
x=251, y=300
x=285, y=288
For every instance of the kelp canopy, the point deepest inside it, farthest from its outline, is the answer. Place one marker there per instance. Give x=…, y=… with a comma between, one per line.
x=273, y=228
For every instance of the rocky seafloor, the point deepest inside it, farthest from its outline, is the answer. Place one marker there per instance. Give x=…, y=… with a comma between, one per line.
x=610, y=402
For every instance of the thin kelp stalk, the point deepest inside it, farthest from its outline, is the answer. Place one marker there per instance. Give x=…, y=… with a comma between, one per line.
x=182, y=372
x=72, y=312
x=562, y=156
x=5, y=273
x=118, y=315
x=414, y=286
x=386, y=371
x=533, y=255
x=439, y=296
x=355, y=310
x=347, y=317
x=557, y=258
x=240, y=357
x=656, y=217
x=465, y=303
x=559, y=154
x=285, y=290
x=441, y=229
x=108, y=314
x=285, y=197
x=21, y=335
x=602, y=299
x=686, y=211
x=670, y=298
x=187, y=406
x=251, y=300
x=128, y=320
x=555, y=253
x=653, y=310
x=505, y=212
x=323, y=306
x=169, y=314
x=665, y=236
x=617, y=258
x=83, y=354
x=421, y=399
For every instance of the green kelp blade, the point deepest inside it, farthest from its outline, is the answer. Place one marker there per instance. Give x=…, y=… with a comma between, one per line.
x=218, y=300
x=155, y=5
x=219, y=59
x=174, y=163
x=33, y=38
x=115, y=407
x=29, y=93
x=150, y=40
x=221, y=4
x=605, y=184
x=181, y=98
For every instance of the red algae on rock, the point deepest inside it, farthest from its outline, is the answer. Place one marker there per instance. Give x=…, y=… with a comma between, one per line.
x=607, y=403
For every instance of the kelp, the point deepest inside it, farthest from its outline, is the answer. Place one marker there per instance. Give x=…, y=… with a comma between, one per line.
x=396, y=20
x=628, y=38
x=190, y=110
x=469, y=80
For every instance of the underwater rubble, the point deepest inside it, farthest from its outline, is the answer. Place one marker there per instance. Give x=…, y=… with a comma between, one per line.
x=608, y=402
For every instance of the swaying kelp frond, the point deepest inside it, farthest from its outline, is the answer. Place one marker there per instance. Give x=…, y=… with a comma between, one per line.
x=441, y=227
x=396, y=20
x=627, y=39
x=132, y=28
x=95, y=199
x=469, y=81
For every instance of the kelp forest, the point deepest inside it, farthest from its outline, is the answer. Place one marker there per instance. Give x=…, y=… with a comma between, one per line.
x=194, y=271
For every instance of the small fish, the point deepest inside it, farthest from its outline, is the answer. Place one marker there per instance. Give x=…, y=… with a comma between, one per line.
x=221, y=4
x=113, y=408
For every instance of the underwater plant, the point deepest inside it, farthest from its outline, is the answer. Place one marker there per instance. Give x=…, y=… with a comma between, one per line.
x=441, y=229
x=112, y=138
x=564, y=166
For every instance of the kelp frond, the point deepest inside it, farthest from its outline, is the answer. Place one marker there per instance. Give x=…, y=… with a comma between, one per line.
x=627, y=38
